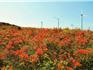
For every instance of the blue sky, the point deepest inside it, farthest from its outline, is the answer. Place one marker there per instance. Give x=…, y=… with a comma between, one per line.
x=30, y=14
x=40, y=0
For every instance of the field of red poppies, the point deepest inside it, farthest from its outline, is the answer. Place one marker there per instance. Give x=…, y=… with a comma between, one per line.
x=46, y=49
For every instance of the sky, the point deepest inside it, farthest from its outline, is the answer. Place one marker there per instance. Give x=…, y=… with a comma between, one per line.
x=40, y=0
x=28, y=13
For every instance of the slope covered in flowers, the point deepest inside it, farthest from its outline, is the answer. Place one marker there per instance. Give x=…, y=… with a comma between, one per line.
x=46, y=49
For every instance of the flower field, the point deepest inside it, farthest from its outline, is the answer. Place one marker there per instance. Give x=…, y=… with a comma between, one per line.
x=46, y=49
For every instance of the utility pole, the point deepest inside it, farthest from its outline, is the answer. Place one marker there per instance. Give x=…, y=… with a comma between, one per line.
x=41, y=24
x=81, y=20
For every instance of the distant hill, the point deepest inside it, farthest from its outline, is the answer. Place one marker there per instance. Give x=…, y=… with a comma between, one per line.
x=8, y=25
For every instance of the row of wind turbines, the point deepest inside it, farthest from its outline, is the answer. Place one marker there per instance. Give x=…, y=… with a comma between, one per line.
x=58, y=22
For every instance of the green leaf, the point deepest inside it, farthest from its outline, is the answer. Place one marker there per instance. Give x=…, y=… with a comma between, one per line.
x=1, y=46
x=90, y=46
x=31, y=52
x=1, y=36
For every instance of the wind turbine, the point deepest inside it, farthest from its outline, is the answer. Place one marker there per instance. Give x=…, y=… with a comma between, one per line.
x=72, y=26
x=58, y=22
x=41, y=24
x=81, y=20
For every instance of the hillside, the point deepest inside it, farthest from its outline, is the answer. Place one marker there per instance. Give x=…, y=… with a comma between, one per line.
x=8, y=25
x=45, y=49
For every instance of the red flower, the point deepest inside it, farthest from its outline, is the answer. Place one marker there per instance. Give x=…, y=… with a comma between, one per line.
x=10, y=43
x=26, y=56
x=65, y=41
x=75, y=63
x=39, y=51
x=33, y=58
x=62, y=43
x=24, y=48
x=80, y=33
x=69, y=68
x=21, y=56
x=18, y=52
x=1, y=42
x=2, y=56
x=81, y=40
x=82, y=51
x=45, y=48
x=8, y=46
